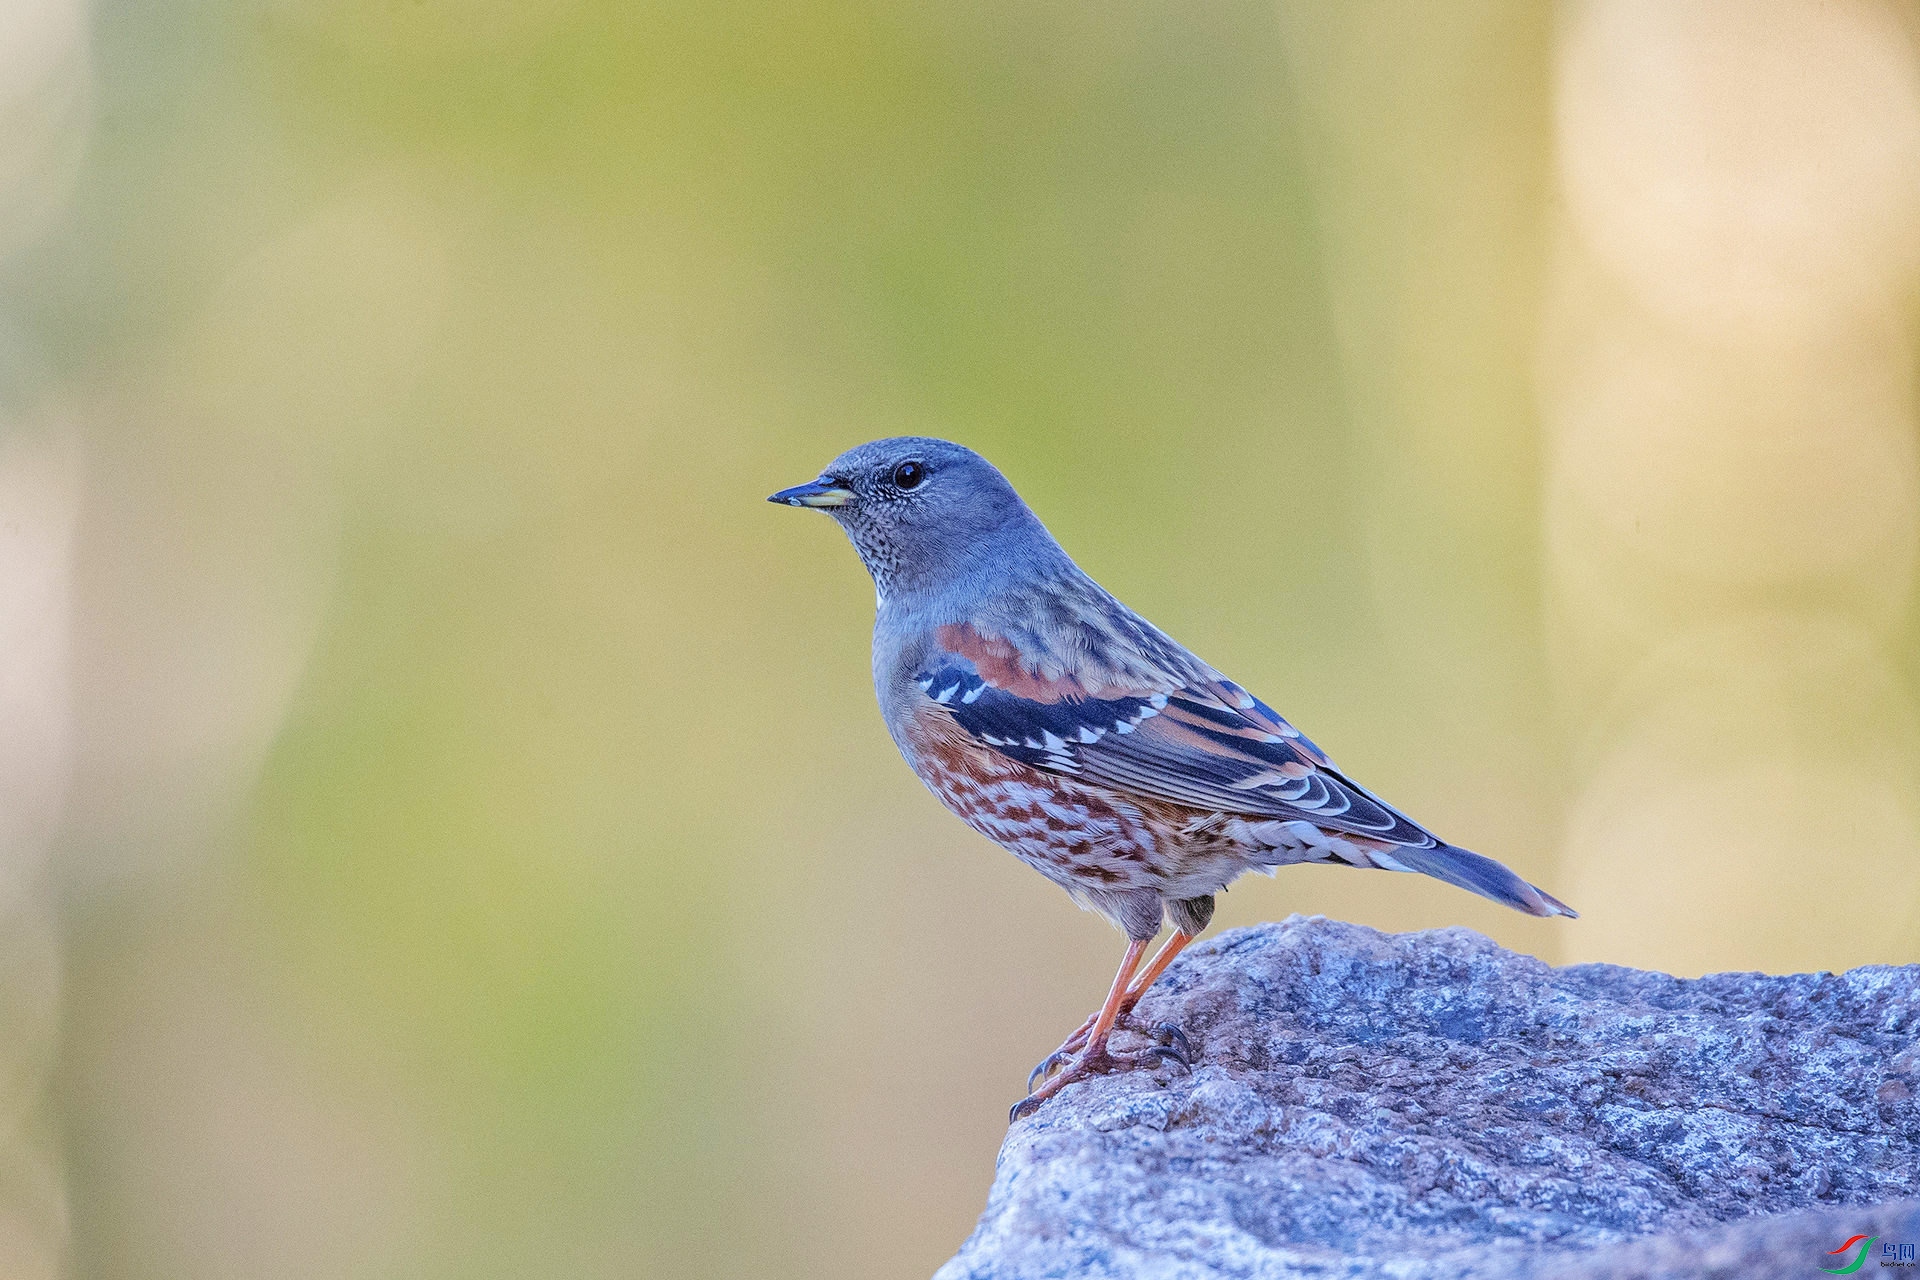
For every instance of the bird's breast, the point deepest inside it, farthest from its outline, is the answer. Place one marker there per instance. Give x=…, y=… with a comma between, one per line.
x=1077, y=835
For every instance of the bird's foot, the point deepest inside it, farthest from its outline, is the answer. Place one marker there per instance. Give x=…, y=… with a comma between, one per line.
x=1062, y=1056
x=1165, y=1036
x=1167, y=1043
x=1072, y=1045
x=1077, y=1068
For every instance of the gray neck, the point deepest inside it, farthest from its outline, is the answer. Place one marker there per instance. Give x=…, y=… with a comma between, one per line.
x=947, y=581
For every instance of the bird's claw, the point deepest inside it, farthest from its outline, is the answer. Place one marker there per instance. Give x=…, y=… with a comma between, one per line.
x=1048, y=1065
x=1172, y=1037
x=1170, y=1044
x=1153, y=1054
x=1068, y=1047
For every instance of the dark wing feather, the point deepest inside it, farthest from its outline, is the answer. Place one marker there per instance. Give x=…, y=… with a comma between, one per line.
x=1207, y=744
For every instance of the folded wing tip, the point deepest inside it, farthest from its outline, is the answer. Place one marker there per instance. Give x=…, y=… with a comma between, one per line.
x=1542, y=903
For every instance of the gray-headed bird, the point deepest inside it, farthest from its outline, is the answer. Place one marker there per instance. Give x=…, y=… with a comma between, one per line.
x=1063, y=726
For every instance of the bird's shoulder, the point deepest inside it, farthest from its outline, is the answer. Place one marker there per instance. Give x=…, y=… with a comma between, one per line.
x=1066, y=636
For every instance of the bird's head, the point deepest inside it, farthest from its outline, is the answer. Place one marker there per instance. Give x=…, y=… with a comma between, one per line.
x=927, y=516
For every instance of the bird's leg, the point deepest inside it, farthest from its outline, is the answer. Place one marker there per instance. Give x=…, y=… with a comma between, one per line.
x=1169, y=1042
x=1151, y=974
x=1071, y=1045
x=1096, y=1043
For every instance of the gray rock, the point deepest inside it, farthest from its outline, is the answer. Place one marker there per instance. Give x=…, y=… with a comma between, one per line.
x=1432, y=1105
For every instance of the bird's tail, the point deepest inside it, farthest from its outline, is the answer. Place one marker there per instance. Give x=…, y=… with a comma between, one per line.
x=1481, y=875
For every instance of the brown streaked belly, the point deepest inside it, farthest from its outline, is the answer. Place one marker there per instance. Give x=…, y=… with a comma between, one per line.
x=1073, y=833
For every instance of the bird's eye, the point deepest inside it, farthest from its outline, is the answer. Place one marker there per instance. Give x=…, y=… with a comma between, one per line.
x=908, y=475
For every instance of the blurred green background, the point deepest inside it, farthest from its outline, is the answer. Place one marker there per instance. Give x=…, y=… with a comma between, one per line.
x=445, y=829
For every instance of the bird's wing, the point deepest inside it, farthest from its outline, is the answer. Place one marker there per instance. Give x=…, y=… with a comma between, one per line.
x=1159, y=725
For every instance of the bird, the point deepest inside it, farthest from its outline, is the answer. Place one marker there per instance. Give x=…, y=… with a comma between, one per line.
x=1066, y=728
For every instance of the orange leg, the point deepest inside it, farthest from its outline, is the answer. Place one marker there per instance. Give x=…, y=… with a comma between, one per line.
x=1148, y=976
x=1151, y=974
x=1096, y=1041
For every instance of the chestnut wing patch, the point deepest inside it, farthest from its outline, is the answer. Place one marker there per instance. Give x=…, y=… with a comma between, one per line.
x=1043, y=734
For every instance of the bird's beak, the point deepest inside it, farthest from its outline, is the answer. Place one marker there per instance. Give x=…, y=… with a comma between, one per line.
x=814, y=493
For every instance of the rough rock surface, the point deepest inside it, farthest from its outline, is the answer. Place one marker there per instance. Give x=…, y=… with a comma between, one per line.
x=1432, y=1105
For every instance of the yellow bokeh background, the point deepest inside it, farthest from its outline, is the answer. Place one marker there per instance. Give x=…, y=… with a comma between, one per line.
x=445, y=828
